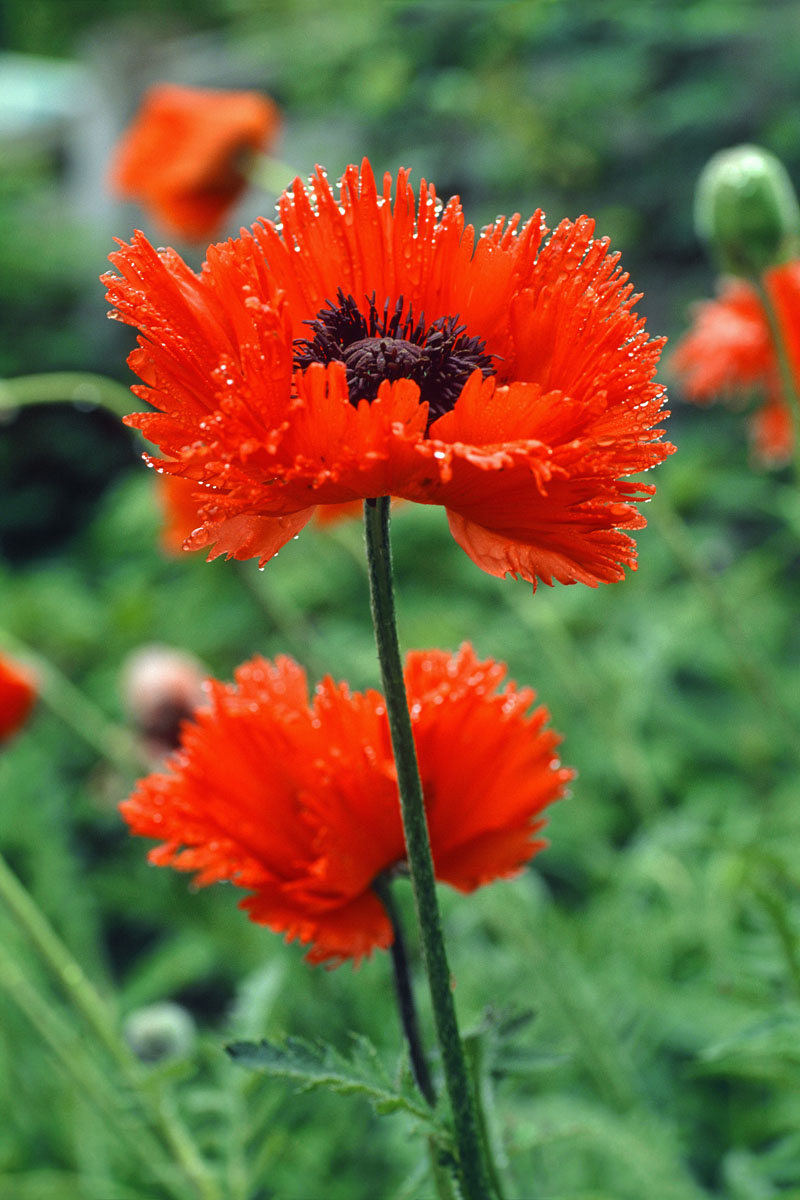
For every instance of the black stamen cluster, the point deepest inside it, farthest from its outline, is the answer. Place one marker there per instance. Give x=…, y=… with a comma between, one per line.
x=438, y=357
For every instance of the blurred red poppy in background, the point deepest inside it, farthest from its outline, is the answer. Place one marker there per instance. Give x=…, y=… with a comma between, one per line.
x=17, y=696
x=730, y=351
x=184, y=157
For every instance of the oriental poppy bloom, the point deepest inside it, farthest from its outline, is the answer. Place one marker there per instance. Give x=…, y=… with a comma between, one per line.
x=298, y=802
x=185, y=154
x=17, y=696
x=368, y=346
x=730, y=351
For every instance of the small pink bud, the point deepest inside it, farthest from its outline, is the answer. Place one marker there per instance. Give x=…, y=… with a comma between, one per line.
x=162, y=687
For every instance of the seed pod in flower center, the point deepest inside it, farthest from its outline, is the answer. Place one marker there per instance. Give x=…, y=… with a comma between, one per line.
x=439, y=358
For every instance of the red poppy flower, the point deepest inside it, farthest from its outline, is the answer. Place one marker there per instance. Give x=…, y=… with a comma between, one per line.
x=184, y=156
x=729, y=350
x=772, y=434
x=366, y=348
x=181, y=501
x=17, y=696
x=298, y=802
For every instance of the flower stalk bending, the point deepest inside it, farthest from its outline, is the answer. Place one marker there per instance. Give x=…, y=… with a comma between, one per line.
x=472, y=1170
x=405, y=994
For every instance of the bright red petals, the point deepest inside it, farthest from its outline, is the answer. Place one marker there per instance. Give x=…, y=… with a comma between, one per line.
x=17, y=696
x=728, y=347
x=729, y=351
x=298, y=804
x=530, y=462
x=182, y=502
x=184, y=156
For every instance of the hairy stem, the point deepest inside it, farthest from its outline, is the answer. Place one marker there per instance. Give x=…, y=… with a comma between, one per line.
x=473, y=1174
x=405, y=994
x=114, y=742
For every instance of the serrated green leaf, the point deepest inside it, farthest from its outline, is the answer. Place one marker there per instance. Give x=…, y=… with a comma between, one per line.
x=314, y=1065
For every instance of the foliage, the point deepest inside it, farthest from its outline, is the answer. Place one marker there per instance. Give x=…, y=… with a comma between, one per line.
x=315, y=1065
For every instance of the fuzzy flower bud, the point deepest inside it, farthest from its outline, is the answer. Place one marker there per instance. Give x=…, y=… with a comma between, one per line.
x=746, y=209
x=161, y=688
x=160, y=1031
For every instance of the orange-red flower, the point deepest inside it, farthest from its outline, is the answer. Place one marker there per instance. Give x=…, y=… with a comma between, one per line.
x=181, y=501
x=298, y=802
x=17, y=696
x=184, y=156
x=729, y=351
x=367, y=346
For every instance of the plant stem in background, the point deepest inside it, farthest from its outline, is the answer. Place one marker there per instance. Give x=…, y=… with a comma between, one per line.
x=87, y=1001
x=70, y=387
x=750, y=665
x=114, y=742
x=405, y=994
x=473, y=1174
x=574, y=665
x=777, y=911
x=296, y=634
x=474, y=1049
x=94, y=1086
x=270, y=174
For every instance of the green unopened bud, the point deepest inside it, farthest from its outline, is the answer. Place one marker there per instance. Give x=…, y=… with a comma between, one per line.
x=746, y=209
x=160, y=1031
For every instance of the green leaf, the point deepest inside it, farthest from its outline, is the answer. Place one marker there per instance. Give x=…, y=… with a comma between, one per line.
x=314, y=1065
x=767, y=1050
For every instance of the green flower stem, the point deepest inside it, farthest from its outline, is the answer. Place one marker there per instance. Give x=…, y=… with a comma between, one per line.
x=87, y=1001
x=483, y=1105
x=784, y=929
x=473, y=1175
x=405, y=994
x=270, y=174
x=75, y=1064
x=442, y=1177
x=784, y=365
x=115, y=743
x=296, y=634
x=573, y=664
x=71, y=387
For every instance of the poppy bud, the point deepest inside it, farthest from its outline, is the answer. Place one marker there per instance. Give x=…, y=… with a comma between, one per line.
x=746, y=209
x=162, y=687
x=160, y=1031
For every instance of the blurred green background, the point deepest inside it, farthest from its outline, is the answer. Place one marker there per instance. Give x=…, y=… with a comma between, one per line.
x=656, y=940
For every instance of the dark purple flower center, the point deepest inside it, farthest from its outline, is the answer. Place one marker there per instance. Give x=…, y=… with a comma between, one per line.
x=439, y=358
